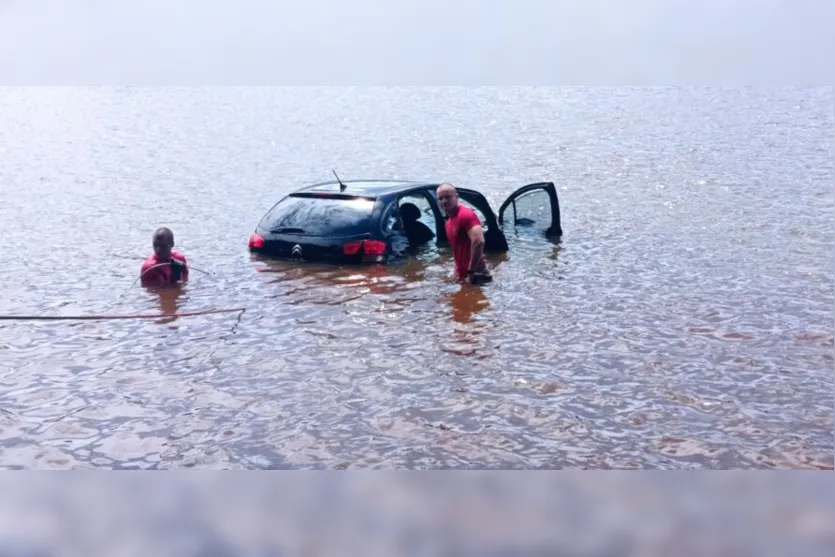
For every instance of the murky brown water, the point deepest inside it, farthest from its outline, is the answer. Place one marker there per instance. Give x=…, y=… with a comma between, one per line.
x=684, y=321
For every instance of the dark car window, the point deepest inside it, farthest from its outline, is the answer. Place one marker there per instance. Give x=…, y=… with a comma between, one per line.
x=316, y=216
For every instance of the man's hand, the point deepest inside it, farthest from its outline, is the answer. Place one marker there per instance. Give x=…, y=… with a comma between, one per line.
x=478, y=277
x=176, y=270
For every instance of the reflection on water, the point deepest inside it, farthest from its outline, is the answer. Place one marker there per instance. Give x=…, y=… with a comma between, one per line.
x=468, y=331
x=468, y=301
x=683, y=321
x=555, y=252
x=169, y=301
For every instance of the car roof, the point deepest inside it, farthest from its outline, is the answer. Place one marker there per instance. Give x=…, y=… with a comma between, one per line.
x=371, y=188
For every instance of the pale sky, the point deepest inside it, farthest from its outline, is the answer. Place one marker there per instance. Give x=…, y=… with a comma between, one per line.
x=419, y=42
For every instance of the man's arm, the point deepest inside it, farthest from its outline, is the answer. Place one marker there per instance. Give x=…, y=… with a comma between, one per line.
x=476, y=234
x=152, y=275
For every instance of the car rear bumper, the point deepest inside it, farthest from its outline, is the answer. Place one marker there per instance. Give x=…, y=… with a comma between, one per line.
x=315, y=250
x=346, y=260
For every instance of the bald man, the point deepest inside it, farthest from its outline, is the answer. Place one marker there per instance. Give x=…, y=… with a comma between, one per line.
x=165, y=266
x=465, y=236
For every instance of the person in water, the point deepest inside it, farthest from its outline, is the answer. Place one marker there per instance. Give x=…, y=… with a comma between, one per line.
x=165, y=266
x=465, y=236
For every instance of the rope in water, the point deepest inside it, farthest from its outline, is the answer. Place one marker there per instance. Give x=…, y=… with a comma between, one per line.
x=152, y=267
x=125, y=316
x=109, y=317
x=164, y=263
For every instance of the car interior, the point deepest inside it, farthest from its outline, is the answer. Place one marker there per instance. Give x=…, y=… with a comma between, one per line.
x=416, y=220
x=416, y=231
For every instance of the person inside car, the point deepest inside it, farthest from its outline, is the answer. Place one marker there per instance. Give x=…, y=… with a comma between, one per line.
x=465, y=236
x=416, y=232
x=165, y=267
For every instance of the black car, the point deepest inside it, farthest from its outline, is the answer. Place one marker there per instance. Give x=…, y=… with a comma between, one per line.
x=375, y=221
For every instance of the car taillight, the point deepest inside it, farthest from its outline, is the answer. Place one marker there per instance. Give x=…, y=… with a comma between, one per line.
x=374, y=247
x=352, y=248
x=368, y=247
x=256, y=241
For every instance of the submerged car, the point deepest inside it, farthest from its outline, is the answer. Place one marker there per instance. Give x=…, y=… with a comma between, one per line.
x=377, y=221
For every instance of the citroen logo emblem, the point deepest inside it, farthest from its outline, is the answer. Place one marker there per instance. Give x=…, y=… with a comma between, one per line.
x=297, y=251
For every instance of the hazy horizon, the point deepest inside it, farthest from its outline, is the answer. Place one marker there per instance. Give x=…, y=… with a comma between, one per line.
x=430, y=42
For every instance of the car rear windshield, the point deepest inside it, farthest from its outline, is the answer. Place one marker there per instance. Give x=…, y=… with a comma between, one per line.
x=320, y=216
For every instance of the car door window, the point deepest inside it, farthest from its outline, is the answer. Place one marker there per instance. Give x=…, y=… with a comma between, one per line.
x=533, y=209
x=427, y=216
x=529, y=209
x=420, y=220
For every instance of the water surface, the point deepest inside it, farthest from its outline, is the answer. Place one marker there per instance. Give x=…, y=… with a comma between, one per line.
x=684, y=320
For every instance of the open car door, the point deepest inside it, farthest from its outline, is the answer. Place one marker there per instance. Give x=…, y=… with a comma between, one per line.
x=532, y=208
x=494, y=238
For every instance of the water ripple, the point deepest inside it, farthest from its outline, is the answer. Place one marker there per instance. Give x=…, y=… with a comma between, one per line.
x=683, y=321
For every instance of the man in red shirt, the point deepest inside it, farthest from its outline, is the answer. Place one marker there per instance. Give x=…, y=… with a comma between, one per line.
x=165, y=266
x=465, y=236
